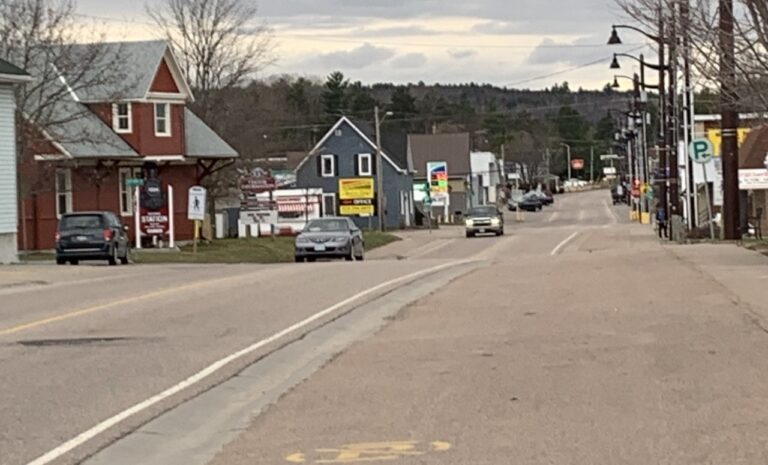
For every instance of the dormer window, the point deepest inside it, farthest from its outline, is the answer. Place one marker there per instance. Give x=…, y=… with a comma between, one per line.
x=162, y=120
x=121, y=118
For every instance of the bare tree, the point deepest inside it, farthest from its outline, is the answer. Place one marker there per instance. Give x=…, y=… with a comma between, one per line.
x=218, y=42
x=751, y=37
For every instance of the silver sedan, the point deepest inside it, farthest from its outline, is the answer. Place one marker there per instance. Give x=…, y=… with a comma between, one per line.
x=330, y=238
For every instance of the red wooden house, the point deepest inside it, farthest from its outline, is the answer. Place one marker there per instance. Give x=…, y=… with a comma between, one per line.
x=112, y=133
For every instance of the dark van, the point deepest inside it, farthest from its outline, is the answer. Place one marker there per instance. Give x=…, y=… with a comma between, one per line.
x=91, y=236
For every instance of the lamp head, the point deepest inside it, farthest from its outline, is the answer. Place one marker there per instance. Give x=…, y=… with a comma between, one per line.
x=615, y=39
x=615, y=63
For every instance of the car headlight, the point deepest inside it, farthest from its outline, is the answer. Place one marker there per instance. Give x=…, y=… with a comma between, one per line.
x=469, y=223
x=341, y=239
x=302, y=240
x=495, y=222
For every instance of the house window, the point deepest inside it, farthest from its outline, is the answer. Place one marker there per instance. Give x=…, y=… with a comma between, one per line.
x=364, y=164
x=162, y=120
x=126, y=192
x=327, y=166
x=121, y=118
x=329, y=204
x=63, y=192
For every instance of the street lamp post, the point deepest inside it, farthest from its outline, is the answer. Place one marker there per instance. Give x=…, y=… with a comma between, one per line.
x=380, y=204
x=568, y=149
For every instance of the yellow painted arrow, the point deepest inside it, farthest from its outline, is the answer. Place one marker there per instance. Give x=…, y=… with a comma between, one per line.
x=296, y=458
x=440, y=446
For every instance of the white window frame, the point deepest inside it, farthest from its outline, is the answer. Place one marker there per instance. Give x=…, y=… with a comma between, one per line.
x=116, y=117
x=360, y=158
x=65, y=190
x=335, y=205
x=122, y=175
x=166, y=119
x=332, y=159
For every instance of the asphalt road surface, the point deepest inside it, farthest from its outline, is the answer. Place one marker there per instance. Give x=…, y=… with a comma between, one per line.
x=577, y=338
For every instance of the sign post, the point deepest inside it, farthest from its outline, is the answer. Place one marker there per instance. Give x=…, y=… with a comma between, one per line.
x=702, y=152
x=196, y=210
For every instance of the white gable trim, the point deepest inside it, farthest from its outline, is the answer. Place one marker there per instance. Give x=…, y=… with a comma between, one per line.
x=173, y=65
x=336, y=126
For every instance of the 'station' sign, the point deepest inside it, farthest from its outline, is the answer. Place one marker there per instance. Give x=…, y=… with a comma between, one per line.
x=356, y=197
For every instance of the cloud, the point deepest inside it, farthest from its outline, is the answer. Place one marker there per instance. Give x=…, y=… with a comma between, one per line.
x=357, y=58
x=462, y=54
x=409, y=60
x=395, y=31
x=578, y=52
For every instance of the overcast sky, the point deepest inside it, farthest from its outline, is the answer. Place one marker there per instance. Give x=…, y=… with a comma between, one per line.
x=511, y=43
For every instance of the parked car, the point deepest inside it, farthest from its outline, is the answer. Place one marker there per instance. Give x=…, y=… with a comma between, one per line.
x=91, y=236
x=545, y=197
x=527, y=202
x=330, y=237
x=485, y=219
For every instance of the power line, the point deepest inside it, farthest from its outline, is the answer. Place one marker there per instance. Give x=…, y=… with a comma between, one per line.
x=337, y=39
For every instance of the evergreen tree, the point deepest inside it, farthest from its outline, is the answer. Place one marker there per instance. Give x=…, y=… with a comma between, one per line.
x=334, y=95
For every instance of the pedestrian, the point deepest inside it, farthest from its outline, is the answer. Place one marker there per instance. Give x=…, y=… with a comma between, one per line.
x=661, y=221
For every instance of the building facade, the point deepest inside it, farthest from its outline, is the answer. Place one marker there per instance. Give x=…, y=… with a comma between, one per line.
x=135, y=131
x=346, y=156
x=10, y=76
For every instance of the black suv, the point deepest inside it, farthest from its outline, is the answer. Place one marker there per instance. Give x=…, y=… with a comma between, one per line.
x=91, y=236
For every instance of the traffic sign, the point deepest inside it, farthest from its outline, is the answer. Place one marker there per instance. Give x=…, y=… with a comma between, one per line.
x=134, y=182
x=702, y=151
x=196, y=203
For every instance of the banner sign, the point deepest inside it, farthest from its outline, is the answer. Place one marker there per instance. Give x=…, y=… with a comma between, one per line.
x=357, y=207
x=756, y=179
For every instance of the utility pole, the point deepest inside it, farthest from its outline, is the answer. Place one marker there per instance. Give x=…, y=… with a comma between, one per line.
x=379, y=172
x=730, y=123
x=568, y=149
x=592, y=164
x=662, y=145
x=672, y=127
x=688, y=116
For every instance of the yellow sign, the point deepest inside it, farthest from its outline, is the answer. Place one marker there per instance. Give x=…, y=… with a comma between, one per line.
x=359, y=188
x=357, y=210
x=371, y=452
x=716, y=138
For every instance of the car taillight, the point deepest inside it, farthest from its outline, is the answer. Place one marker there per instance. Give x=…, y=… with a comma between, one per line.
x=57, y=236
x=107, y=234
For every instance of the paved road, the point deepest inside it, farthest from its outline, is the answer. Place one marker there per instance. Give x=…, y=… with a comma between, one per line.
x=566, y=341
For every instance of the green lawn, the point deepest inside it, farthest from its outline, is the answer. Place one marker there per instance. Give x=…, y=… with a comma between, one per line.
x=253, y=250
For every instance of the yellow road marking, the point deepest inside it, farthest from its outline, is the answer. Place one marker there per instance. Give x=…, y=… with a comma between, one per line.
x=370, y=452
x=108, y=305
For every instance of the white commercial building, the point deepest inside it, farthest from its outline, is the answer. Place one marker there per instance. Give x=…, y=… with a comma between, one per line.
x=487, y=175
x=10, y=76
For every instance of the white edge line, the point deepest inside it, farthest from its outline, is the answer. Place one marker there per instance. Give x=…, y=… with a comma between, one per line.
x=564, y=243
x=100, y=428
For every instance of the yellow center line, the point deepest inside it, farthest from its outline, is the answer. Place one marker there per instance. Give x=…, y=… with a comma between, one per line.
x=109, y=305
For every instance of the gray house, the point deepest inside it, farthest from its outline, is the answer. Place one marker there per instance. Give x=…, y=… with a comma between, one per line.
x=343, y=164
x=10, y=76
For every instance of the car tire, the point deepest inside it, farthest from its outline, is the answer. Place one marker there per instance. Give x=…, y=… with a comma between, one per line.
x=61, y=261
x=311, y=259
x=470, y=234
x=74, y=262
x=126, y=259
x=298, y=259
x=360, y=257
x=112, y=260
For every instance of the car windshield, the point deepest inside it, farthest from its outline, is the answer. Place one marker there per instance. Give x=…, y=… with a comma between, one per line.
x=327, y=225
x=81, y=222
x=483, y=211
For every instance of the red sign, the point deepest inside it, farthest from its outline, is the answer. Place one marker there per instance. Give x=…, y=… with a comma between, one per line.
x=154, y=223
x=256, y=184
x=577, y=164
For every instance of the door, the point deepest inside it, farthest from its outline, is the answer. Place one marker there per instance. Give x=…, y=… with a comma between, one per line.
x=329, y=204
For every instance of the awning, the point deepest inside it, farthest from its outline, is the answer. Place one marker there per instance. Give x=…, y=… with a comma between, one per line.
x=295, y=207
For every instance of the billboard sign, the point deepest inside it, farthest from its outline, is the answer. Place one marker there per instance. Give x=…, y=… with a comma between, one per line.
x=356, y=197
x=755, y=179
x=437, y=174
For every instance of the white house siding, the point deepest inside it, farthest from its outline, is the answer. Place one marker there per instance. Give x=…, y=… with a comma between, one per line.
x=8, y=215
